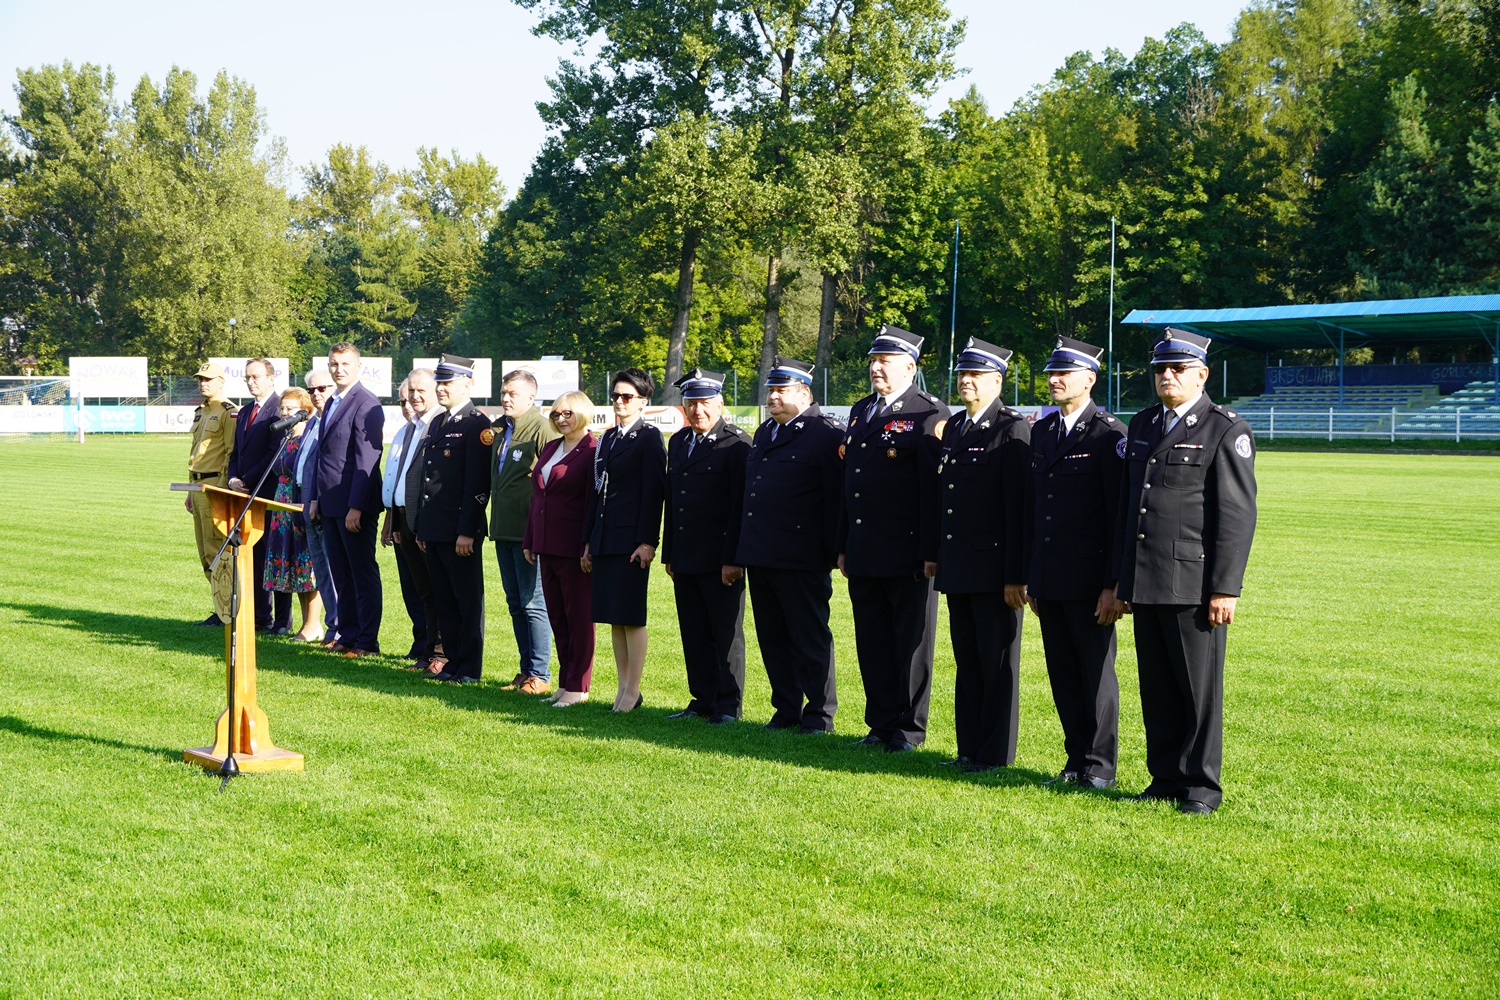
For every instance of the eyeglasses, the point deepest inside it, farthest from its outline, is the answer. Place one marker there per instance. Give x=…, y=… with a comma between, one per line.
x=562, y=414
x=1175, y=367
x=623, y=397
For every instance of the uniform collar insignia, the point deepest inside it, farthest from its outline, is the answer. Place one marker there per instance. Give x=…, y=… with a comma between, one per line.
x=798, y=425
x=1190, y=419
x=896, y=406
x=984, y=425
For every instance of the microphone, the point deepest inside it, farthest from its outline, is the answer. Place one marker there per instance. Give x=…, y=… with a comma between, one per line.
x=286, y=423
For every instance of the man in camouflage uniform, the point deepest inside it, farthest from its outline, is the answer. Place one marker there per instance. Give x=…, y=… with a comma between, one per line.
x=208, y=465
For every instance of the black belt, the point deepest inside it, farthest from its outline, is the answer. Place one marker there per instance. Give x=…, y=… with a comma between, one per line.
x=195, y=476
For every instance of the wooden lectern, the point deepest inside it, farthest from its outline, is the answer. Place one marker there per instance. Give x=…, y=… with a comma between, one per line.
x=247, y=732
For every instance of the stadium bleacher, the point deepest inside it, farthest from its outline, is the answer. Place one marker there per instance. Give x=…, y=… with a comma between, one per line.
x=1368, y=411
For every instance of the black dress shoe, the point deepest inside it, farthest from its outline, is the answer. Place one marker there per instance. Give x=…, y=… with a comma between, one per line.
x=720, y=719
x=1194, y=808
x=1064, y=777
x=899, y=745
x=869, y=740
x=959, y=762
x=281, y=630
x=212, y=619
x=686, y=713
x=813, y=731
x=1094, y=783
x=1153, y=795
x=444, y=676
x=979, y=767
x=773, y=724
x=458, y=679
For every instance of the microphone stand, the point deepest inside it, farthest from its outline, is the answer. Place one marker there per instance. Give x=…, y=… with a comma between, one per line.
x=232, y=539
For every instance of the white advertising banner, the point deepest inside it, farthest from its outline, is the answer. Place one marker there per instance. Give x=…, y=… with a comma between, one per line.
x=553, y=377
x=96, y=377
x=32, y=420
x=170, y=419
x=484, y=376
x=376, y=374
x=234, y=375
x=393, y=422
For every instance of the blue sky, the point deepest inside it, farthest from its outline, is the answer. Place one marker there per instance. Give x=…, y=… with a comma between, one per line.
x=467, y=75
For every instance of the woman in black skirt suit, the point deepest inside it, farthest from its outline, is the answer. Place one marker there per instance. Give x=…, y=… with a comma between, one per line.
x=624, y=526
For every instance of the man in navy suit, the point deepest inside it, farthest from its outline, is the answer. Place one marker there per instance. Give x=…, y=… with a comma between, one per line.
x=255, y=446
x=346, y=496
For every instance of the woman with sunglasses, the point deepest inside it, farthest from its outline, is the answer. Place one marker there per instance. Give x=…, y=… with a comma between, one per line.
x=624, y=526
x=553, y=541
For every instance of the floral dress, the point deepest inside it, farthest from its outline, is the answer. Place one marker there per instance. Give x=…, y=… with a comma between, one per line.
x=288, y=563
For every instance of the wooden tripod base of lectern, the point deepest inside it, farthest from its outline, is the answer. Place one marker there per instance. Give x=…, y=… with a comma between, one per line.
x=248, y=732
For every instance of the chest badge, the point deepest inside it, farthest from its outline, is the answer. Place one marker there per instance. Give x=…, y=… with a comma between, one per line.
x=1190, y=419
x=515, y=454
x=890, y=453
x=447, y=452
x=487, y=437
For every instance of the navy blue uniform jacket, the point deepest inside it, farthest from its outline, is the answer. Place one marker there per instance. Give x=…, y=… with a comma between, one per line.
x=630, y=482
x=1071, y=536
x=704, y=493
x=791, y=503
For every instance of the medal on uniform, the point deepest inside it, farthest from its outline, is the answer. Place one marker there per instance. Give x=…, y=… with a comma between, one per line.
x=515, y=454
x=487, y=437
x=890, y=453
x=447, y=452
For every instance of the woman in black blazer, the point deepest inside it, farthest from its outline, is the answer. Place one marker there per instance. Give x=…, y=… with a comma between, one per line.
x=624, y=526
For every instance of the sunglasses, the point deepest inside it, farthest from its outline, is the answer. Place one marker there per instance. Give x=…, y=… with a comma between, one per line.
x=623, y=397
x=319, y=388
x=1176, y=367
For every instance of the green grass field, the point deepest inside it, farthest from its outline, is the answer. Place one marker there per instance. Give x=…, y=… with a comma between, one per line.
x=470, y=842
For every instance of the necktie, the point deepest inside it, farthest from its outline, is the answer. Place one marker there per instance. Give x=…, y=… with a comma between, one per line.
x=253, y=411
x=332, y=405
x=692, y=443
x=1062, y=429
x=505, y=444
x=774, y=429
x=1171, y=422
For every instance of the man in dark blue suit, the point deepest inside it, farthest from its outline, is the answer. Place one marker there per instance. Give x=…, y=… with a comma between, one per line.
x=255, y=446
x=347, y=498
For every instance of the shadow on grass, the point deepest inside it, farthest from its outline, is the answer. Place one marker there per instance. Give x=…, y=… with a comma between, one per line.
x=592, y=720
x=11, y=724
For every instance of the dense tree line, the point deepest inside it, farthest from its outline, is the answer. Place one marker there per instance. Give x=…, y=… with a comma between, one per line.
x=723, y=181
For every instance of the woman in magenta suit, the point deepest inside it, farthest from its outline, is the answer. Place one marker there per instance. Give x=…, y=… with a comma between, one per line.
x=560, y=490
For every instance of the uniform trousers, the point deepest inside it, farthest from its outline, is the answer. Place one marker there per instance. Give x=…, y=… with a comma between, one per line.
x=1180, y=658
x=458, y=593
x=527, y=605
x=416, y=588
x=894, y=621
x=569, y=592
x=209, y=538
x=1081, y=667
x=791, y=623
x=711, y=618
x=356, y=577
x=986, y=637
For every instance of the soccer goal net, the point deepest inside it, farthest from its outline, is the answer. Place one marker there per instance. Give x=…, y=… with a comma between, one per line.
x=33, y=390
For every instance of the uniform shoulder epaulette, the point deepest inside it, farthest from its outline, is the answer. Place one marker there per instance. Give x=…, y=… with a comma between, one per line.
x=1109, y=418
x=228, y=406
x=930, y=397
x=733, y=429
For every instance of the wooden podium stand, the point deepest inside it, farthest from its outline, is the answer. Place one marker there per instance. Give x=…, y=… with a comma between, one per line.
x=248, y=732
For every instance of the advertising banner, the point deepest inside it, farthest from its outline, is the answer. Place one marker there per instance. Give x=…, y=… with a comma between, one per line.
x=553, y=377
x=234, y=375
x=106, y=419
x=109, y=377
x=484, y=370
x=376, y=374
x=170, y=419
x=32, y=419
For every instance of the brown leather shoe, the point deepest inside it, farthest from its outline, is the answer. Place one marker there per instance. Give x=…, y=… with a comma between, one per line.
x=515, y=683
x=435, y=666
x=355, y=654
x=535, y=685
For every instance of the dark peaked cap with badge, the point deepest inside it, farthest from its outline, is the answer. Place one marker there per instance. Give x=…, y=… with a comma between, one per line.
x=451, y=366
x=699, y=384
x=1179, y=346
x=982, y=356
x=1074, y=356
x=789, y=371
x=894, y=340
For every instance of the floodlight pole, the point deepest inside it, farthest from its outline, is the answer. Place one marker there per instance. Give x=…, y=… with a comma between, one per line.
x=953, y=317
x=1110, y=402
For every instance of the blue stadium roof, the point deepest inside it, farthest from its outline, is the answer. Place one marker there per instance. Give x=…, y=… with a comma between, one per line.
x=1450, y=317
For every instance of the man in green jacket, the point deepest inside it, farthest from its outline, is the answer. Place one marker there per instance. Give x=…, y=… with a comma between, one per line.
x=518, y=436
